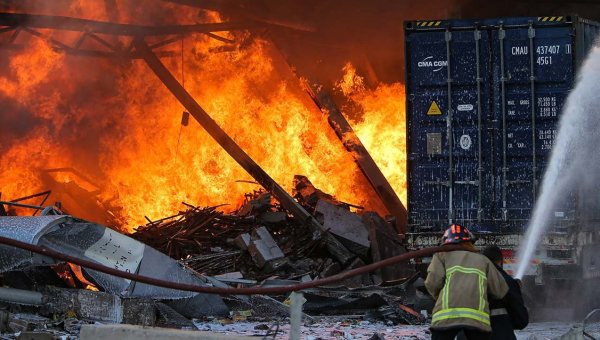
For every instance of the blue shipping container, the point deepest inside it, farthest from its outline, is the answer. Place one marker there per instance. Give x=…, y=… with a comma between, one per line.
x=483, y=101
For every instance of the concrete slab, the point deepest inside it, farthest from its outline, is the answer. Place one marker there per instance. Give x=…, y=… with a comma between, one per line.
x=128, y=332
x=263, y=247
x=243, y=241
x=347, y=226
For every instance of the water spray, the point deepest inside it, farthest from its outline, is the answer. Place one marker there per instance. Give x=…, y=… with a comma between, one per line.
x=574, y=156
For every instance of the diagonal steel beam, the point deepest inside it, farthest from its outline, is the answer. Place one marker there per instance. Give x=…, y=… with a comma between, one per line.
x=235, y=151
x=349, y=139
x=101, y=27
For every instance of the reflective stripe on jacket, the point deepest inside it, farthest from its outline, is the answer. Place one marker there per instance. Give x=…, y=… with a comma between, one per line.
x=460, y=281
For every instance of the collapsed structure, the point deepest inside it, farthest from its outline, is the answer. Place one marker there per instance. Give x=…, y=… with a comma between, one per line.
x=259, y=245
x=301, y=237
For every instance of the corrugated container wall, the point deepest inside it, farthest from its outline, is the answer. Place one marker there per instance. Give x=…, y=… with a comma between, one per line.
x=484, y=98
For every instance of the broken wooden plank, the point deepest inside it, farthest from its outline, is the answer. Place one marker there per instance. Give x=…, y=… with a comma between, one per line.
x=236, y=152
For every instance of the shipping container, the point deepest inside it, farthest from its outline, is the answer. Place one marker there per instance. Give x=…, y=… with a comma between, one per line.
x=483, y=102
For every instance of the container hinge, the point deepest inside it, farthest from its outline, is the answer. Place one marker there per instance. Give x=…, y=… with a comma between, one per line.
x=475, y=183
x=438, y=183
x=448, y=36
x=517, y=182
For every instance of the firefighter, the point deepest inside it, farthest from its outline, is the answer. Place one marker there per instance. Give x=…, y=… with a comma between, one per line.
x=460, y=282
x=509, y=313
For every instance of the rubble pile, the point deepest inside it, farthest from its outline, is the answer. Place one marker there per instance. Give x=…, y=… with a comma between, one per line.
x=258, y=245
x=261, y=239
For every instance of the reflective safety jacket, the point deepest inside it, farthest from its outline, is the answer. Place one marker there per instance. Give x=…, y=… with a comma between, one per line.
x=460, y=281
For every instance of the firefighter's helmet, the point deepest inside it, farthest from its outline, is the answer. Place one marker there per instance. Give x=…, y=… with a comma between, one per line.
x=457, y=234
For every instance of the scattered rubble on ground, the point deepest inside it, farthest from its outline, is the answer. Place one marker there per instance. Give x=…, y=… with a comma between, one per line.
x=259, y=245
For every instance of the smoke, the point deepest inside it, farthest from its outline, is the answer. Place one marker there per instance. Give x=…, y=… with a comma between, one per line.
x=574, y=160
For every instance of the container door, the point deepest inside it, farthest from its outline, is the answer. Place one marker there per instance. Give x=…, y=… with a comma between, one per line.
x=449, y=179
x=527, y=112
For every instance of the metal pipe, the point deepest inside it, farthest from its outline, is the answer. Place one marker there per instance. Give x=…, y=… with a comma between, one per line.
x=501, y=36
x=24, y=297
x=534, y=168
x=450, y=133
x=479, y=141
x=231, y=291
x=296, y=316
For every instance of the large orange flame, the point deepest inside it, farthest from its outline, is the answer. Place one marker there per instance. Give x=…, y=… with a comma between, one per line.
x=382, y=127
x=116, y=122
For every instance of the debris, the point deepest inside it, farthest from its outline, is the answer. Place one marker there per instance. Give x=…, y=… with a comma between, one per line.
x=263, y=247
x=386, y=243
x=266, y=306
x=363, y=280
x=168, y=317
x=26, y=323
x=277, y=265
x=36, y=336
x=288, y=301
x=243, y=241
x=94, y=242
x=377, y=336
x=106, y=332
x=240, y=316
x=331, y=270
x=72, y=325
x=273, y=217
x=141, y=312
x=347, y=227
x=257, y=206
x=236, y=275
x=86, y=304
x=306, y=193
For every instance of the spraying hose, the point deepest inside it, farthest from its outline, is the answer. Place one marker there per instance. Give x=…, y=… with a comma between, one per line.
x=229, y=291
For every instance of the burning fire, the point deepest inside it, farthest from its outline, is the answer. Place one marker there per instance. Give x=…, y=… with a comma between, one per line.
x=382, y=126
x=117, y=123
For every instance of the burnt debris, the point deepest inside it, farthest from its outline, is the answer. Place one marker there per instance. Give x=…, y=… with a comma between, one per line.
x=260, y=244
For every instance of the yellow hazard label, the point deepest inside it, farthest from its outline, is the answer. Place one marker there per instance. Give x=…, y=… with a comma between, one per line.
x=434, y=109
x=550, y=18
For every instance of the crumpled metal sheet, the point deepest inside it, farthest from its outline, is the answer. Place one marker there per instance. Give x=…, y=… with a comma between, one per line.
x=94, y=242
x=75, y=240
x=24, y=229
